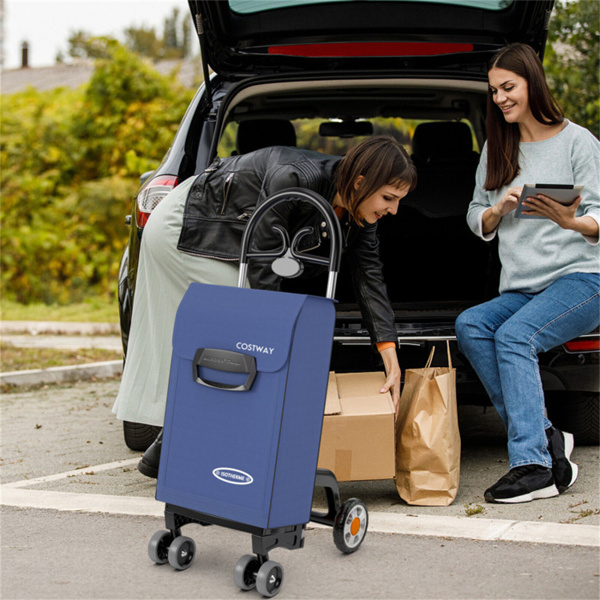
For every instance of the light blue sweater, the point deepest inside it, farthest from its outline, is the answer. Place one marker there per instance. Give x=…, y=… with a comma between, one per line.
x=536, y=252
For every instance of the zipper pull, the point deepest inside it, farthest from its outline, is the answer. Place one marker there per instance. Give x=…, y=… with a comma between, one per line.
x=226, y=190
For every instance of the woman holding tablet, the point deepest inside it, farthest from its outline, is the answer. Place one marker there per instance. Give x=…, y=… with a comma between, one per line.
x=550, y=279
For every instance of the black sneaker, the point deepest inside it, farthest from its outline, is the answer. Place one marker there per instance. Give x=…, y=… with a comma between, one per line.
x=560, y=446
x=523, y=484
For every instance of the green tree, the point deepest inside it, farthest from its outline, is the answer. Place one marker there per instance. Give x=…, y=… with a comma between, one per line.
x=572, y=60
x=175, y=42
x=143, y=41
x=83, y=45
x=170, y=37
x=176, y=35
x=186, y=32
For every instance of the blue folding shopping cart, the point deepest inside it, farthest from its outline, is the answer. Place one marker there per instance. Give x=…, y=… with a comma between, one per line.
x=245, y=409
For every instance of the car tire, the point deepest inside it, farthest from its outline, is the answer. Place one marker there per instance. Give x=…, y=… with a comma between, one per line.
x=577, y=413
x=139, y=436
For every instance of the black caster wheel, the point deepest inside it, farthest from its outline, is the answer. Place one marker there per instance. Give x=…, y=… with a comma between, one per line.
x=269, y=579
x=158, y=547
x=181, y=552
x=244, y=574
x=350, y=526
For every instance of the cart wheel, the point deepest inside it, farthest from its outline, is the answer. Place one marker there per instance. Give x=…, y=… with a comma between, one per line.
x=269, y=579
x=181, y=552
x=158, y=547
x=244, y=574
x=350, y=526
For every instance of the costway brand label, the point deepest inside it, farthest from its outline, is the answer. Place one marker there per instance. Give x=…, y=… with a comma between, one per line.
x=254, y=348
x=234, y=476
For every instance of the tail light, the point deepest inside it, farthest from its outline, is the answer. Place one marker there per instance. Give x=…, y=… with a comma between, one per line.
x=150, y=196
x=583, y=345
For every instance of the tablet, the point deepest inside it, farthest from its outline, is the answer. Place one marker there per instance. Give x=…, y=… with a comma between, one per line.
x=565, y=194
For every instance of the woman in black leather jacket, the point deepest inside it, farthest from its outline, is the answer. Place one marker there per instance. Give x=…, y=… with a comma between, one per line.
x=194, y=235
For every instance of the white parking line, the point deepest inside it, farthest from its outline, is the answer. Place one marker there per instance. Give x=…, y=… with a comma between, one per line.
x=13, y=494
x=69, y=501
x=81, y=471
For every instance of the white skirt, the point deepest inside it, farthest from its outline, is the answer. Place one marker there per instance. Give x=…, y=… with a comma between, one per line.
x=164, y=275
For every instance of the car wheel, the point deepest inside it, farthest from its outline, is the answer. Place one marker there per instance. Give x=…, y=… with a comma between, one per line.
x=139, y=436
x=577, y=413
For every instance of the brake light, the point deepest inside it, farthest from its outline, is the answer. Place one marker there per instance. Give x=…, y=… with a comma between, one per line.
x=585, y=345
x=150, y=196
x=337, y=49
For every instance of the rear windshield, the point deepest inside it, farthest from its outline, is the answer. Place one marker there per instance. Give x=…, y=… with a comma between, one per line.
x=257, y=6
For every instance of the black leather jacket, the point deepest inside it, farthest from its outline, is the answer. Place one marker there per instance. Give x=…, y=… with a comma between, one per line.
x=223, y=198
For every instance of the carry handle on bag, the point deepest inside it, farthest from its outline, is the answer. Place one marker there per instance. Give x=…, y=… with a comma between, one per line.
x=430, y=359
x=224, y=360
x=287, y=260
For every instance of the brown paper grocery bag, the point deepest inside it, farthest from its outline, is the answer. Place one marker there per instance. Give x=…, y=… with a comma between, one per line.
x=427, y=436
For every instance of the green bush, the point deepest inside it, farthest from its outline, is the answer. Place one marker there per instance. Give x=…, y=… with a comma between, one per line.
x=71, y=161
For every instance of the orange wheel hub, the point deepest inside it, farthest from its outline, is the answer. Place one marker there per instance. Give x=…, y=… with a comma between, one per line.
x=355, y=526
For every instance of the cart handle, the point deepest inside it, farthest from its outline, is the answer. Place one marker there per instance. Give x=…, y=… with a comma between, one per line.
x=224, y=360
x=289, y=250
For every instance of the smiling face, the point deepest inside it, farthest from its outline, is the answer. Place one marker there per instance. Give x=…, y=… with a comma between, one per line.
x=510, y=93
x=382, y=202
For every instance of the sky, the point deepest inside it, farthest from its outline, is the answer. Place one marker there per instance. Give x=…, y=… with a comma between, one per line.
x=47, y=24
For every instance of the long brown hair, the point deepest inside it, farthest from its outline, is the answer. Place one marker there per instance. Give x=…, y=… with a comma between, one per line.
x=503, y=138
x=381, y=160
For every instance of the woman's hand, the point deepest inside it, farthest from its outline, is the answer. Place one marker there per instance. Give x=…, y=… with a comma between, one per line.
x=508, y=203
x=543, y=206
x=392, y=369
x=563, y=216
x=493, y=215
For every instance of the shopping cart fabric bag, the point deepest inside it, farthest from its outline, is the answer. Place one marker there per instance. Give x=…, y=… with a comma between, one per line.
x=245, y=404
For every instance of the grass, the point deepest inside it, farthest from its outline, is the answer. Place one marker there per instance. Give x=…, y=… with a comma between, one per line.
x=95, y=310
x=14, y=358
x=476, y=509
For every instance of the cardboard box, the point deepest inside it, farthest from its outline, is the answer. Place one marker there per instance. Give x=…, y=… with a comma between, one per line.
x=357, y=441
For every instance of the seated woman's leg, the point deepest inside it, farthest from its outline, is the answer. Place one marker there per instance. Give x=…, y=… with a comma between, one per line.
x=566, y=309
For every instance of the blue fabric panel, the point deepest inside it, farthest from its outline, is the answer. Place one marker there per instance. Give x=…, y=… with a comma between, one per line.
x=225, y=453
x=208, y=429
x=302, y=418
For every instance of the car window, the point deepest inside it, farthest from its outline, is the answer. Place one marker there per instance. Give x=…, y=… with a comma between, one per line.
x=309, y=138
x=257, y=6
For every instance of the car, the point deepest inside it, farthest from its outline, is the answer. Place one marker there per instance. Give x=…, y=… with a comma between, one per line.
x=323, y=75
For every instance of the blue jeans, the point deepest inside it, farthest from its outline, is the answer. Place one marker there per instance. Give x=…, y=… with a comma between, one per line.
x=502, y=338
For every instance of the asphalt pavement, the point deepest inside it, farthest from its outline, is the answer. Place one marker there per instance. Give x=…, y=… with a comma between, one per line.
x=77, y=517
x=49, y=554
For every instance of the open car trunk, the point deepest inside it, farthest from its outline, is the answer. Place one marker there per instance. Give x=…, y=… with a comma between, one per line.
x=434, y=265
